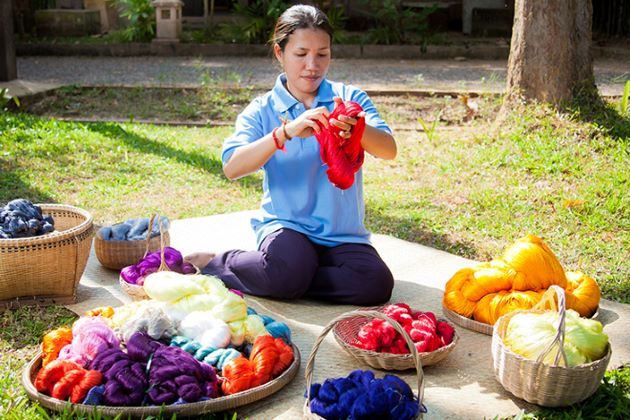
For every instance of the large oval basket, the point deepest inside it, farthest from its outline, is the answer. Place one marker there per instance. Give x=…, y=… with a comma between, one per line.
x=346, y=330
x=190, y=409
x=47, y=268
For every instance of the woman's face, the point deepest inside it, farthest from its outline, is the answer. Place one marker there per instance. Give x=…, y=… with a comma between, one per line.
x=305, y=60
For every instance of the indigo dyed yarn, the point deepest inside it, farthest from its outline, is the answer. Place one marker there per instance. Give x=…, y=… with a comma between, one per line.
x=361, y=396
x=175, y=374
x=126, y=379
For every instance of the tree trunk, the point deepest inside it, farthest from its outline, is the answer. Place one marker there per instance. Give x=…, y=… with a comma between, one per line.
x=8, y=66
x=550, y=53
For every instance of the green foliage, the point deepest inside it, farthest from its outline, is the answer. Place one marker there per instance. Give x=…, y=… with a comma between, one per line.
x=623, y=105
x=141, y=19
x=337, y=18
x=5, y=99
x=429, y=129
x=257, y=22
x=611, y=401
x=396, y=24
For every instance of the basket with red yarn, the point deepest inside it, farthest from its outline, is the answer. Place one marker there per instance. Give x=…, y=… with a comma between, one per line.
x=434, y=339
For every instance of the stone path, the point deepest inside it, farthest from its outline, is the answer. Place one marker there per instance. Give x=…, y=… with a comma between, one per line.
x=369, y=74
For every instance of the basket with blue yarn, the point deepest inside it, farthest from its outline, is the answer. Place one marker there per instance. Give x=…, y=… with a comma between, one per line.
x=125, y=243
x=361, y=394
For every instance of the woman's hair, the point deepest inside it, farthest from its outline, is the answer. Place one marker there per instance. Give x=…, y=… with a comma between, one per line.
x=299, y=17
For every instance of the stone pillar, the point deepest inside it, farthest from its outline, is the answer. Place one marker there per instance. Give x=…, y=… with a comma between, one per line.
x=168, y=16
x=8, y=64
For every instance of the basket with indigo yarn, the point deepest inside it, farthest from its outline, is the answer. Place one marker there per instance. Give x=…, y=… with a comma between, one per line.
x=116, y=254
x=540, y=383
x=417, y=400
x=47, y=269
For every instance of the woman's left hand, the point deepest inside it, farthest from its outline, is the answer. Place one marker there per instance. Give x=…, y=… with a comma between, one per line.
x=345, y=123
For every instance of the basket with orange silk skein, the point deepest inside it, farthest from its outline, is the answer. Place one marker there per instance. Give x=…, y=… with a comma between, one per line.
x=116, y=254
x=378, y=345
x=476, y=297
x=46, y=269
x=361, y=394
x=548, y=379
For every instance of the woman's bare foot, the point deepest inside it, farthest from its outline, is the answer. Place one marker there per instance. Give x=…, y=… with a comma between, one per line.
x=199, y=259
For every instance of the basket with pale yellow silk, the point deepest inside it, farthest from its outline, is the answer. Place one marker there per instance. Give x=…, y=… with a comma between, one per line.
x=476, y=297
x=549, y=380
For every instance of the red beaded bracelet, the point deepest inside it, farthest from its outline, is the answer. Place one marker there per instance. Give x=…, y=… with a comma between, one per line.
x=276, y=141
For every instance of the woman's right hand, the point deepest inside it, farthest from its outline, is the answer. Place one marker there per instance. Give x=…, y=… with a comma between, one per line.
x=307, y=124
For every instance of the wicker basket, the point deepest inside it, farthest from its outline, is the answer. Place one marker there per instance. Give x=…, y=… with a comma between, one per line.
x=481, y=327
x=308, y=374
x=345, y=332
x=540, y=383
x=136, y=292
x=469, y=324
x=47, y=269
x=190, y=409
x=119, y=254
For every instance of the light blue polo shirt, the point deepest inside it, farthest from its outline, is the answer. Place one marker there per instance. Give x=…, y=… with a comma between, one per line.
x=296, y=191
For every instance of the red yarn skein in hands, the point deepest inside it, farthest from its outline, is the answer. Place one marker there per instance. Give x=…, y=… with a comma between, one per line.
x=343, y=156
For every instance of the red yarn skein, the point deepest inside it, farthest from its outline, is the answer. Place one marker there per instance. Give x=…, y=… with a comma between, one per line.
x=63, y=379
x=343, y=157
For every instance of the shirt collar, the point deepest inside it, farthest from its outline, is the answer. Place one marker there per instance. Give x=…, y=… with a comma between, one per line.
x=284, y=100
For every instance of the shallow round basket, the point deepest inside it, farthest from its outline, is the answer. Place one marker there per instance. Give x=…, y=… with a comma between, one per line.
x=47, y=269
x=119, y=254
x=189, y=409
x=346, y=331
x=471, y=324
x=540, y=383
x=414, y=356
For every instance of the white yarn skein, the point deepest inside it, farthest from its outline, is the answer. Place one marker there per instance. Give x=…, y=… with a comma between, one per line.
x=203, y=327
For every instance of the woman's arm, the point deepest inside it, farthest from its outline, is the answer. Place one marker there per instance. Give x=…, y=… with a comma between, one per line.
x=251, y=157
x=379, y=143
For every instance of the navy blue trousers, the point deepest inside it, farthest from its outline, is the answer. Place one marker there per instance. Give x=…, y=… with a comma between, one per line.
x=288, y=265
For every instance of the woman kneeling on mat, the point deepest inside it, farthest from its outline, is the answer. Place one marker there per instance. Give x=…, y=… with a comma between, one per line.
x=312, y=241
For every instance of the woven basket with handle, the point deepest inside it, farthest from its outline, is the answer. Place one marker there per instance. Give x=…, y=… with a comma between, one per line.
x=540, y=383
x=118, y=254
x=135, y=291
x=346, y=331
x=47, y=269
x=365, y=314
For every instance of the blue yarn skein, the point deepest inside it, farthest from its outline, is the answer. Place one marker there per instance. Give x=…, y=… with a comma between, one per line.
x=94, y=395
x=209, y=355
x=361, y=396
x=275, y=328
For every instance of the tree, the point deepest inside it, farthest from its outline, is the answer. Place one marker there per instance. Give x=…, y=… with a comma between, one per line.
x=8, y=66
x=550, y=52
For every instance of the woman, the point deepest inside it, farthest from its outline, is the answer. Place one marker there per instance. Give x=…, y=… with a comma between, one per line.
x=311, y=237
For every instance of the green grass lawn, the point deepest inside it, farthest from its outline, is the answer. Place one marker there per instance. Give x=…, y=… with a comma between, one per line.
x=471, y=190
